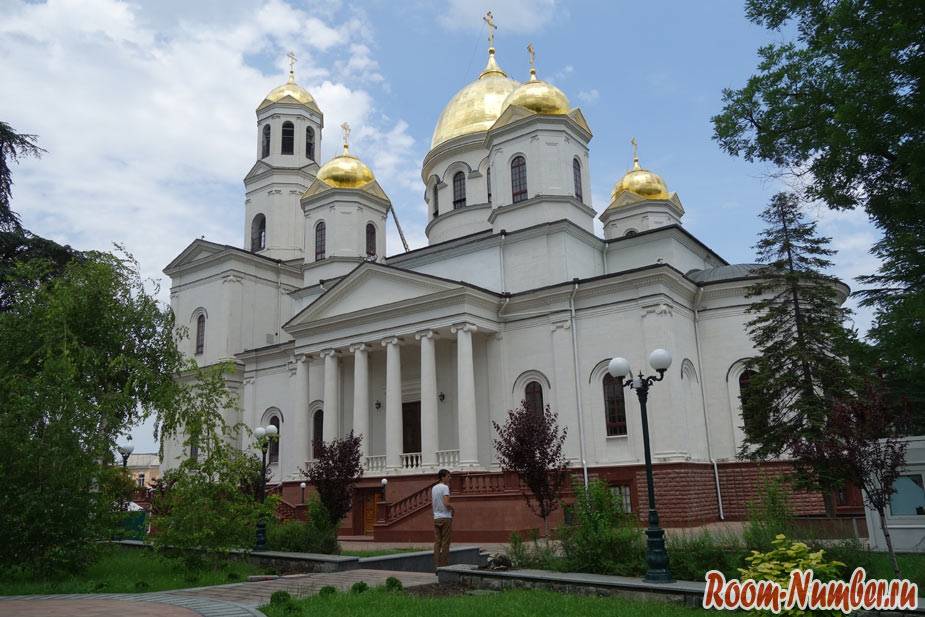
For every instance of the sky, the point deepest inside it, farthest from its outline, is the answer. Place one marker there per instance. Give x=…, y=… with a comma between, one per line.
x=146, y=109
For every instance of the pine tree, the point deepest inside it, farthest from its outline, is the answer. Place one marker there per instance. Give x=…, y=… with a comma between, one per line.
x=799, y=334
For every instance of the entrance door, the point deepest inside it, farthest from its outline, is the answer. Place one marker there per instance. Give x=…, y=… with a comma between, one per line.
x=370, y=501
x=411, y=427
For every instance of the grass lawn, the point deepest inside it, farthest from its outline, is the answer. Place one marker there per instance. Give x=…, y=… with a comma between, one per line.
x=385, y=551
x=377, y=602
x=129, y=570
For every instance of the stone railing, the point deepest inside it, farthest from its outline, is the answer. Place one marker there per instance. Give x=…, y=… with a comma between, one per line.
x=407, y=505
x=448, y=458
x=375, y=463
x=410, y=460
x=483, y=483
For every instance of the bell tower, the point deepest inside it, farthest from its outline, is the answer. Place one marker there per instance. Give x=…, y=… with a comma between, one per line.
x=289, y=125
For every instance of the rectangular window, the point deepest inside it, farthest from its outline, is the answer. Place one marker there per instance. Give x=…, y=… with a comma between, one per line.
x=621, y=493
x=141, y=480
x=908, y=496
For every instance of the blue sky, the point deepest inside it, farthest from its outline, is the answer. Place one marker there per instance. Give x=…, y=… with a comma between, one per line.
x=147, y=108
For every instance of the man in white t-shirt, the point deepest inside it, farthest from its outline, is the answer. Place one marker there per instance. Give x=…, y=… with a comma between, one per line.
x=443, y=518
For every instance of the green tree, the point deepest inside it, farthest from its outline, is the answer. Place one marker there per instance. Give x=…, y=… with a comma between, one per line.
x=84, y=356
x=798, y=331
x=840, y=107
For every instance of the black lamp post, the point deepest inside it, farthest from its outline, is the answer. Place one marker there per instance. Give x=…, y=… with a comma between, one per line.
x=263, y=434
x=656, y=553
x=302, y=487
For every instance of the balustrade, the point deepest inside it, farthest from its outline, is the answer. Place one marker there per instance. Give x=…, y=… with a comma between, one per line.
x=448, y=458
x=375, y=463
x=410, y=460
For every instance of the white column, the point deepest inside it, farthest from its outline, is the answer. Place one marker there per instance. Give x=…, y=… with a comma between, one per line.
x=331, y=404
x=393, y=415
x=465, y=383
x=361, y=396
x=300, y=421
x=428, y=398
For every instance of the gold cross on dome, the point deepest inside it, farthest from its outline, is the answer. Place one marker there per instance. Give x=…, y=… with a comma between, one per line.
x=532, y=53
x=635, y=151
x=490, y=20
x=346, y=128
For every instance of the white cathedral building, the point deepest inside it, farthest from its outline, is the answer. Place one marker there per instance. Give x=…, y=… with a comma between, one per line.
x=515, y=298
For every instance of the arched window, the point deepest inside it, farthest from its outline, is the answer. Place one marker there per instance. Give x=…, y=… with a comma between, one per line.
x=488, y=181
x=630, y=233
x=310, y=143
x=436, y=201
x=518, y=179
x=576, y=175
x=273, y=450
x=317, y=432
x=370, y=240
x=533, y=396
x=259, y=233
x=614, y=406
x=745, y=379
x=288, y=138
x=459, y=190
x=265, y=148
x=319, y=241
x=200, y=334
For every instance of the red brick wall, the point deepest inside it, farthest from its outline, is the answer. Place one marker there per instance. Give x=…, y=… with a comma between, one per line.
x=742, y=482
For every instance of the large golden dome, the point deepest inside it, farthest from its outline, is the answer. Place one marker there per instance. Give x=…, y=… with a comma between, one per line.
x=292, y=90
x=641, y=182
x=476, y=107
x=538, y=96
x=345, y=172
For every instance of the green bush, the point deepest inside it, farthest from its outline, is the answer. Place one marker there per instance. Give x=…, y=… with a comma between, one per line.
x=534, y=555
x=693, y=554
x=280, y=597
x=359, y=587
x=327, y=590
x=602, y=538
x=393, y=584
x=317, y=535
x=769, y=515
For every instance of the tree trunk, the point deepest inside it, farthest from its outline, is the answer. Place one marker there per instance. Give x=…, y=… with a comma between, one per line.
x=889, y=542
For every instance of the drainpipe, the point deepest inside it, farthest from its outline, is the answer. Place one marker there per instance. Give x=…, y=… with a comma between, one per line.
x=581, y=435
x=501, y=259
x=703, y=404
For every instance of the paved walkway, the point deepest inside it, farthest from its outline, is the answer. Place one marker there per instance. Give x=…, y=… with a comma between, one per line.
x=234, y=600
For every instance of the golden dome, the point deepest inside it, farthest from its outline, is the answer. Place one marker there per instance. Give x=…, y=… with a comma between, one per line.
x=538, y=96
x=476, y=107
x=641, y=182
x=292, y=90
x=345, y=172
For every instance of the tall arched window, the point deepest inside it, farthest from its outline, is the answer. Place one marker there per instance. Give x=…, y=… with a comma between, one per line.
x=259, y=233
x=533, y=396
x=436, y=200
x=745, y=379
x=614, y=406
x=488, y=181
x=310, y=143
x=576, y=175
x=518, y=179
x=288, y=138
x=459, y=190
x=319, y=241
x=265, y=147
x=317, y=432
x=200, y=334
x=370, y=240
x=273, y=450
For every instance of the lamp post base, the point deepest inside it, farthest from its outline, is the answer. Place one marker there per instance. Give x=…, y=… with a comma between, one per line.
x=657, y=557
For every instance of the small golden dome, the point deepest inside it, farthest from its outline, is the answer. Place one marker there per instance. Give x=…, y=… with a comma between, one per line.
x=292, y=90
x=538, y=96
x=476, y=107
x=641, y=182
x=345, y=172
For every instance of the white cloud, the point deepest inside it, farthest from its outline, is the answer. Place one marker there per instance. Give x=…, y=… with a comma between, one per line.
x=516, y=16
x=589, y=97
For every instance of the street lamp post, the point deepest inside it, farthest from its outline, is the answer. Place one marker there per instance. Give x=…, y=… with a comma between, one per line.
x=619, y=368
x=302, y=487
x=125, y=451
x=263, y=434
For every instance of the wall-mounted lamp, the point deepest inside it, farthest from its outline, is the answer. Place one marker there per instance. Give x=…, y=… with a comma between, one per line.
x=442, y=397
x=378, y=405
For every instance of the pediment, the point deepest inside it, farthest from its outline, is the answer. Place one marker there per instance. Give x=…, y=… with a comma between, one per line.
x=258, y=168
x=198, y=249
x=372, y=287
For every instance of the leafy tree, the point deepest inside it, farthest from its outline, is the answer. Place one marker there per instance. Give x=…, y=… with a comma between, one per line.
x=334, y=472
x=13, y=146
x=840, y=108
x=83, y=356
x=798, y=332
x=530, y=444
x=862, y=440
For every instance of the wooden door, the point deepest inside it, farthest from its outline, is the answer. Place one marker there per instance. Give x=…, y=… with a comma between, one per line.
x=370, y=507
x=411, y=427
